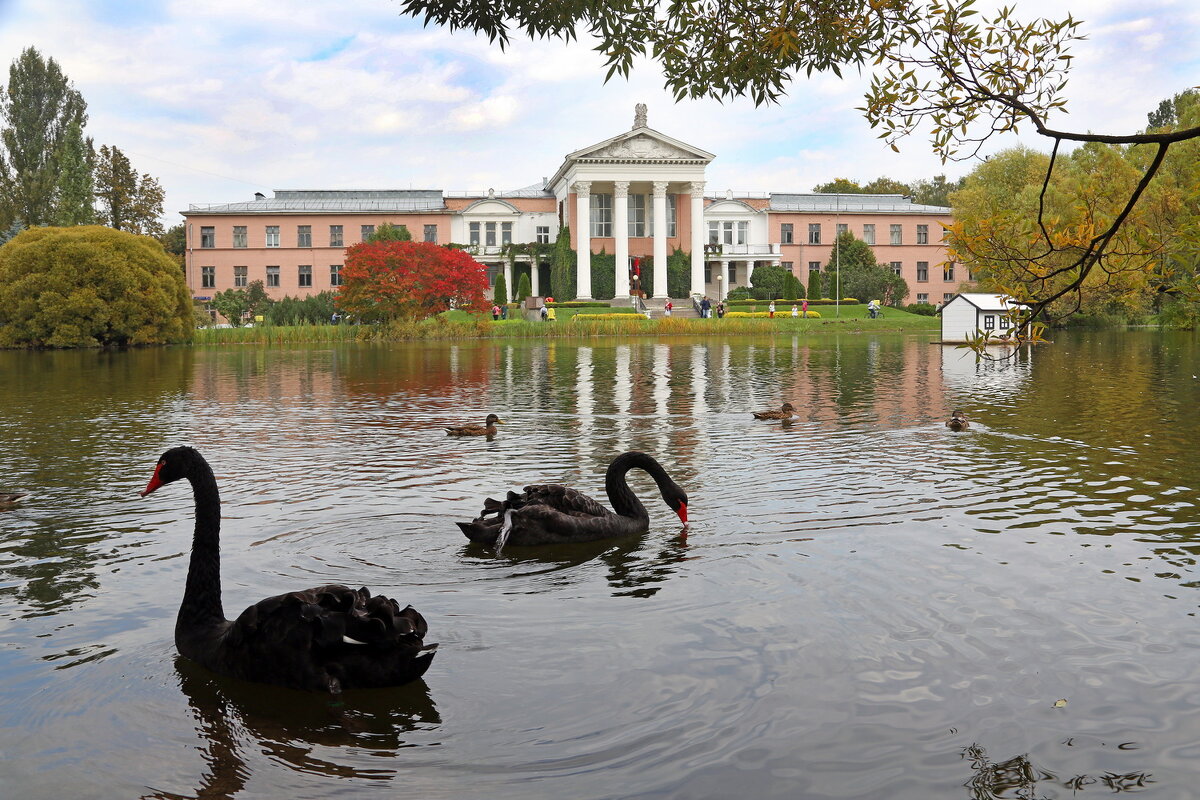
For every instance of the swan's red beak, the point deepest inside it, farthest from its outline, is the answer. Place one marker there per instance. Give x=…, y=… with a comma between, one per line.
x=154, y=483
x=682, y=512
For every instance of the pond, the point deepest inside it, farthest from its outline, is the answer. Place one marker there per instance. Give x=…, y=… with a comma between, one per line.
x=864, y=605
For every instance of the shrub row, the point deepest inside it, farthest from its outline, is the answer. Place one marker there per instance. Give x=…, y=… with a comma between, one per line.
x=767, y=314
x=824, y=301
x=578, y=304
x=608, y=316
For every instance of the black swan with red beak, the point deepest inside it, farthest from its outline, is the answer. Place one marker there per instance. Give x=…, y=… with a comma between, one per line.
x=554, y=514
x=324, y=639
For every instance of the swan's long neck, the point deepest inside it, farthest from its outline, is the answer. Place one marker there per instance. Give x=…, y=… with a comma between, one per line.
x=623, y=500
x=202, y=595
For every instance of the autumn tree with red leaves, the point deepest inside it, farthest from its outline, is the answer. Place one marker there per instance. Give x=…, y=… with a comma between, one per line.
x=389, y=279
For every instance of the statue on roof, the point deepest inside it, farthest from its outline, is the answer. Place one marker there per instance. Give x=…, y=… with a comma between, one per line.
x=639, y=116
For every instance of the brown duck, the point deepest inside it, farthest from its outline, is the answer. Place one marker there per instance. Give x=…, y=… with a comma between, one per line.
x=958, y=421
x=12, y=498
x=784, y=412
x=488, y=428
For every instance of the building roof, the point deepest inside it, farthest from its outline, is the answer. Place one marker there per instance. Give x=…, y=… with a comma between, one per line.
x=985, y=302
x=851, y=204
x=331, y=201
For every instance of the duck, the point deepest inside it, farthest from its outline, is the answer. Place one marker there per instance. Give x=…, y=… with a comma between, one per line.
x=553, y=514
x=12, y=498
x=958, y=421
x=325, y=639
x=488, y=428
x=783, y=412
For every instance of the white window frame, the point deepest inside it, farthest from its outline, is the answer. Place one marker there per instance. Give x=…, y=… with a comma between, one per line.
x=869, y=232
x=304, y=271
x=272, y=239
x=473, y=233
x=922, y=234
x=239, y=236
x=241, y=277
x=542, y=234
x=896, y=233
x=304, y=236
x=273, y=276
x=814, y=233
x=601, y=214
x=922, y=269
x=335, y=274
x=787, y=233
x=336, y=236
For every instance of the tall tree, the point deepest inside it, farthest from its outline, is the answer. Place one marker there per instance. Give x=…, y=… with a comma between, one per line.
x=839, y=186
x=76, y=192
x=130, y=202
x=387, y=232
x=385, y=280
x=37, y=109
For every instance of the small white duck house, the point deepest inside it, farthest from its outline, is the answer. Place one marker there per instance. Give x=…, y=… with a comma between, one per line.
x=967, y=315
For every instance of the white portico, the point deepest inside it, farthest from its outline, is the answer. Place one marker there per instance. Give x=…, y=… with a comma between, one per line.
x=637, y=194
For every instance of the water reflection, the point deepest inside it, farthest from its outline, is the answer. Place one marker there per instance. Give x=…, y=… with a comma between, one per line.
x=1019, y=777
x=238, y=722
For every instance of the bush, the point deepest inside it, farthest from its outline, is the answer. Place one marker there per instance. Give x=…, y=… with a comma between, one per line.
x=90, y=286
x=578, y=304
x=767, y=314
x=524, y=288
x=824, y=301
x=924, y=309
x=608, y=316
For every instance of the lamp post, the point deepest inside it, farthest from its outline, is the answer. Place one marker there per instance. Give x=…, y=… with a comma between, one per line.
x=837, y=256
x=720, y=294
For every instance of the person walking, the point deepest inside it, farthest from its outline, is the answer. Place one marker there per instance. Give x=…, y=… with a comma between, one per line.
x=720, y=309
x=667, y=308
x=771, y=309
x=495, y=313
x=705, y=308
x=804, y=308
x=795, y=311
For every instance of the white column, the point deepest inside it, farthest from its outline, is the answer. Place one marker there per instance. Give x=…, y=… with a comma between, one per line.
x=660, y=238
x=508, y=280
x=533, y=276
x=698, y=238
x=621, y=235
x=583, y=240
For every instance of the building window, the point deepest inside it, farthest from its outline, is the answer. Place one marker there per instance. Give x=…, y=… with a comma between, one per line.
x=786, y=235
x=367, y=232
x=708, y=272
x=1003, y=322
x=208, y=236
x=239, y=236
x=869, y=234
x=842, y=228
x=671, y=215
x=240, y=277
x=305, y=275
x=922, y=234
x=947, y=272
x=946, y=297
x=787, y=265
x=543, y=234
x=922, y=298
x=814, y=266
x=272, y=236
x=922, y=270
x=897, y=267
x=732, y=274
x=335, y=236
x=431, y=234
x=897, y=235
x=489, y=234
x=208, y=277
x=989, y=322
x=474, y=234
x=728, y=232
x=335, y=274
x=506, y=233
x=637, y=216
x=814, y=233
x=602, y=215
x=304, y=236
x=272, y=276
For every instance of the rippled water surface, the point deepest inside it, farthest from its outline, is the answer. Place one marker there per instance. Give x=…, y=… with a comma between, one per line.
x=865, y=605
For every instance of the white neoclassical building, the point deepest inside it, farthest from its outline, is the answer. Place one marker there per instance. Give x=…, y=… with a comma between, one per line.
x=636, y=195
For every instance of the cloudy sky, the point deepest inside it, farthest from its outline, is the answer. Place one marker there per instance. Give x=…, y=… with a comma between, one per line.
x=223, y=98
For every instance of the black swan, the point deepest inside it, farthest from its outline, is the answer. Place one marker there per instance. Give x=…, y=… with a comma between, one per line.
x=784, y=412
x=553, y=514
x=958, y=421
x=488, y=428
x=328, y=638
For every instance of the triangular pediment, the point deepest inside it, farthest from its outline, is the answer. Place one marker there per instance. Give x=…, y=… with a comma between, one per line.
x=641, y=144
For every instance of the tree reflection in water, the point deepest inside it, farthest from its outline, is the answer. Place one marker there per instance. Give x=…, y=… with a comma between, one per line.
x=1019, y=777
x=238, y=719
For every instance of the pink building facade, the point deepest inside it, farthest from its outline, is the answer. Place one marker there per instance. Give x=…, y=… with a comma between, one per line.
x=640, y=193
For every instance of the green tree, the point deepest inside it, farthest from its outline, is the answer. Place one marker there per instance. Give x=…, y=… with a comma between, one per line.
x=767, y=281
x=174, y=241
x=76, y=191
x=815, y=286
x=89, y=286
x=38, y=107
x=131, y=202
x=500, y=291
x=935, y=191
x=839, y=186
x=860, y=276
x=232, y=304
x=934, y=63
x=886, y=185
x=387, y=232
x=562, y=267
x=679, y=273
x=792, y=288
x=524, y=287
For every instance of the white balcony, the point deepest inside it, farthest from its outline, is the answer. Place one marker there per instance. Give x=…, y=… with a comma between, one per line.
x=740, y=250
